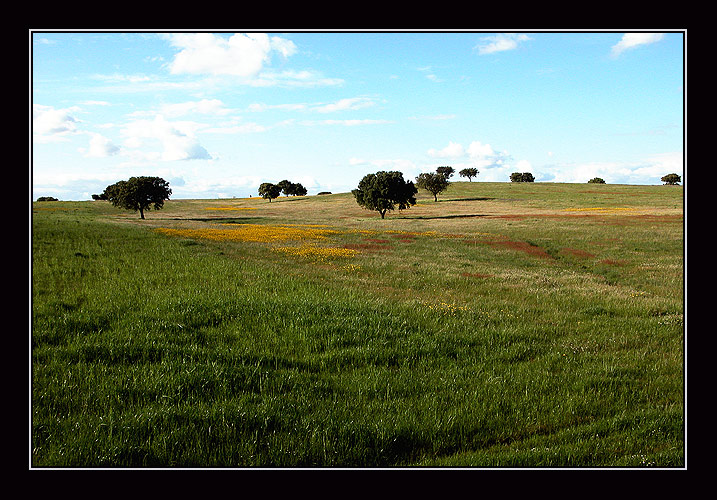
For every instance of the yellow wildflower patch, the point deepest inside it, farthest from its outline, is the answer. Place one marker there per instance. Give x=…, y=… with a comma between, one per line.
x=251, y=232
x=320, y=253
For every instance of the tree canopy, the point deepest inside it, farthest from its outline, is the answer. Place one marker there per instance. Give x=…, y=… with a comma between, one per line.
x=671, y=179
x=445, y=171
x=383, y=191
x=468, y=172
x=138, y=194
x=269, y=191
x=287, y=187
x=433, y=183
x=521, y=177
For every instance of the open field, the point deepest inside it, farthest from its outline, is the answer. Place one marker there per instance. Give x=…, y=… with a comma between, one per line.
x=506, y=325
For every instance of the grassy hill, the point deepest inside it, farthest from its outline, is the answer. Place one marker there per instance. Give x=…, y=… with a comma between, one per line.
x=521, y=325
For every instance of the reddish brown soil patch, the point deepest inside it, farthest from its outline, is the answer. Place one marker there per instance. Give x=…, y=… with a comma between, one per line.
x=476, y=275
x=577, y=253
x=376, y=240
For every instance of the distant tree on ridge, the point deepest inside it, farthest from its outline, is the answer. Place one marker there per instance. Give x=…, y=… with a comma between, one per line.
x=138, y=194
x=433, y=183
x=521, y=177
x=468, y=172
x=671, y=179
x=269, y=191
x=446, y=171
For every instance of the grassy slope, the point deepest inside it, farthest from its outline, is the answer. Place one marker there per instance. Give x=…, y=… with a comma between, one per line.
x=505, y=325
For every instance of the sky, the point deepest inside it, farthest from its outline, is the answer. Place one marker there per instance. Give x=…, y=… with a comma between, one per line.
x=218, y=113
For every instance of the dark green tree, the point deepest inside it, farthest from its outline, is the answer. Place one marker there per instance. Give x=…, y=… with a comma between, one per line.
x=445, y=171
x=671, y=179
x=298, y=190
x=383, y=191
x=138, y=194
x=521, y=177
x=596, y=180
x=285, y=187
x=468, y=172
x=269, y=191
x=292, y=189
x=433, y=183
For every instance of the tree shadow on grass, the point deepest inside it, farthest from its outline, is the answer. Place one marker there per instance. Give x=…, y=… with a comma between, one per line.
x=456, y=216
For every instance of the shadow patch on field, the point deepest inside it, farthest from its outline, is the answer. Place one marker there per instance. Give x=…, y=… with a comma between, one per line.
x=456, y=216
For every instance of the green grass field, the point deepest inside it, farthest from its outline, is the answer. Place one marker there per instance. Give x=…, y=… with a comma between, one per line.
x=505, y=325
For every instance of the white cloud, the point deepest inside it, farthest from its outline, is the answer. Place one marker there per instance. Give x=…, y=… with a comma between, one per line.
x=205, y=107
x=95, y=103
x=646, y=171
x=480, y=151
x=290, y=78
x=430, y=74
x=500, y=43
x=51, y=125
x=237, y=128
x=453, y=150
x=283, y=46
x=346, y=104
x=176, y=139
x=478, y=154
x=242, y=55
x=633, y=40
x=222, y=187
x=348, y=123
x=407, y=167
x=258, y=107
x=523, y=166
x=100, y=147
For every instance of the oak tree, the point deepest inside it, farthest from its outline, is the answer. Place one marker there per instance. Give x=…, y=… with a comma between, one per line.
x=433, y=183
x=138, y=194
x=383, y=191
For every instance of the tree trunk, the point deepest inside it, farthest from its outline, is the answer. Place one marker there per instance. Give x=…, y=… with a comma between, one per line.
x=435, y=197
x=382, y=212
x=141, y=213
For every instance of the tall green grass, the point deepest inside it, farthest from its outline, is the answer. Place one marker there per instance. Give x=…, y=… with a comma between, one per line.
x=152, y=351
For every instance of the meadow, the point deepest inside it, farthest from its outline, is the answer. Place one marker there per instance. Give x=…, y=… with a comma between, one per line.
x=505, y=325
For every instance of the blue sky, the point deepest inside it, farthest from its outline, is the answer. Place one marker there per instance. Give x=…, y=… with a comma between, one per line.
x=216, y=114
